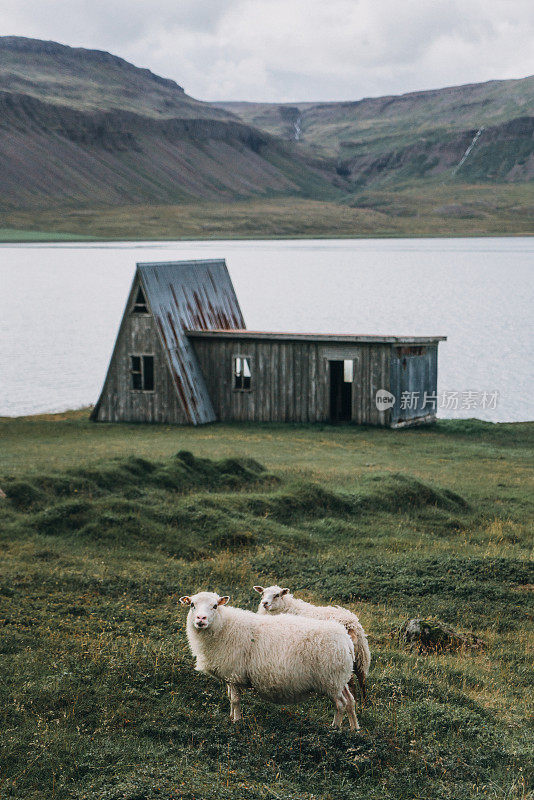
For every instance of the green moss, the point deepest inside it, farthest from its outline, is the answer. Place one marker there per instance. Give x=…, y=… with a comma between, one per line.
x=25, y=494
x=404, y=493
x=182, y=473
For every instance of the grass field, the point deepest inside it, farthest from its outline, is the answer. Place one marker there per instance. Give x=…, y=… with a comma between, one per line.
x=426, y=208
x=27, y=236
x=104, y=526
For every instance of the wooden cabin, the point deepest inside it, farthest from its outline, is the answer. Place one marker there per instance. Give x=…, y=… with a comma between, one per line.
x=183, y=355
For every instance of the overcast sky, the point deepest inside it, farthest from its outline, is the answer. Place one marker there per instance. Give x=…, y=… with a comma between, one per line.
x=284, y=50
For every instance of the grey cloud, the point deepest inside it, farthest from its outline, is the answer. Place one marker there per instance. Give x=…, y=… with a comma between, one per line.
x=283, y=50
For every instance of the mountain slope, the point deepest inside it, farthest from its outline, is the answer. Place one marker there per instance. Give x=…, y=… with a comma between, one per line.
x=416, y=134
x=81, y=127
x=93, y=80
x=55, y=155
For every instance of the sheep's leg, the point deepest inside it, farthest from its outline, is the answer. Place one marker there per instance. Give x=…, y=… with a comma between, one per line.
x=340, y=710
x=351, y=709
x=352, y=685
x=229, y=693
x=235, y=703
x=363, y=688
x=360, y=674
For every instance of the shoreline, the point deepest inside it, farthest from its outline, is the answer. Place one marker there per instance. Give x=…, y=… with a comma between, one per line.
x=77, y=239
x=84, y=411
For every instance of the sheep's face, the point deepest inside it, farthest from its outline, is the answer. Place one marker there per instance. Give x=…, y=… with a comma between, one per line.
x=204, y=608
x=272, y=598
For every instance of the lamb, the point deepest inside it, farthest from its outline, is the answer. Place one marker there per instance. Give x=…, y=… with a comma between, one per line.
x=283, y=658
x=275, y=600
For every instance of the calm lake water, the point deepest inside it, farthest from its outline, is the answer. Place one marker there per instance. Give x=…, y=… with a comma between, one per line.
x=62, y=304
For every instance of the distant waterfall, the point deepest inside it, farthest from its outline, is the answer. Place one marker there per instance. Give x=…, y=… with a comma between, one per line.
x=468, y=151
x=297, y=128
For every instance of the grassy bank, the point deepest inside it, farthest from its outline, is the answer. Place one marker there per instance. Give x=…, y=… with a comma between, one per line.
x=424, y=209
x=105, y=526
x=27, y=236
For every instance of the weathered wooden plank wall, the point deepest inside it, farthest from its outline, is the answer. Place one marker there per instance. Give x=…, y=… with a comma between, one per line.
x=413, y=374
x=291, y=379
x=118, y=402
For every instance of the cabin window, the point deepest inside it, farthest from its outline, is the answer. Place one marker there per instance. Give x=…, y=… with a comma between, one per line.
x=348, y=371
x=242, y=376
x=140, y=306
x=142, y=373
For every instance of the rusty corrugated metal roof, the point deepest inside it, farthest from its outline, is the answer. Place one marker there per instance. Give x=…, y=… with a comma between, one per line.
x=190, y=294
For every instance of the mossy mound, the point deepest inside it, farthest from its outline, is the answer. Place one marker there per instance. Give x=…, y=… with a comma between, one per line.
x=182, y=529
x=300, y=502
x=399, y=492
x=181, y=473
x=388, y=494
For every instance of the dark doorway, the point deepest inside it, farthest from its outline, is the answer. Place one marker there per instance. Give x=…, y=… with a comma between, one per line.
x=340, y=393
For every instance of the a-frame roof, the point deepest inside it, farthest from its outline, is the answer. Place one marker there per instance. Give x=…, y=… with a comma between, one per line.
x=181, y=295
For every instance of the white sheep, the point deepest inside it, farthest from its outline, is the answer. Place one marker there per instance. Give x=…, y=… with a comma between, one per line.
x=284, y=658
x=275, y=600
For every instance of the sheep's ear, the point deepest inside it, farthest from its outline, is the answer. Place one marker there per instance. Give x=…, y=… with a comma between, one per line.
x=222, y=601
x=283, y=592
x=258, y=589
x=185, y=600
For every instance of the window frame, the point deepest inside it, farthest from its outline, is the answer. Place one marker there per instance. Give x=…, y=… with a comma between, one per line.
x=249, y=359
x=141, y=372
x=136, y=306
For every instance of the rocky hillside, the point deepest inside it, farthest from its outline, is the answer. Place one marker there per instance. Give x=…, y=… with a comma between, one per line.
x=93, y=80
x=85, y=128
x=502, y=152
x=475, y=132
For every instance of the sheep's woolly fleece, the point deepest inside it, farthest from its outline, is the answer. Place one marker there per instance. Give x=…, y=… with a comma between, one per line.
x=281, y=601
x=283, y=658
